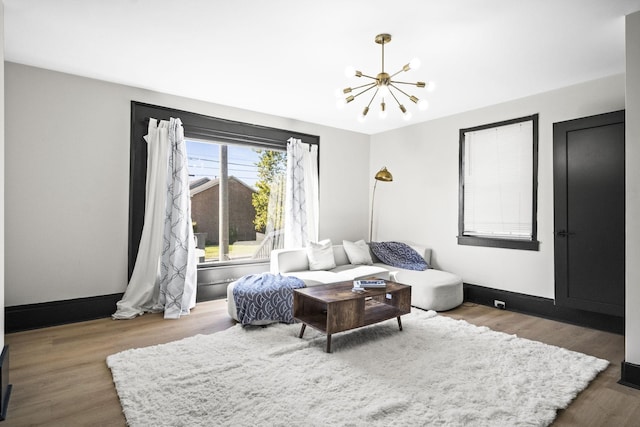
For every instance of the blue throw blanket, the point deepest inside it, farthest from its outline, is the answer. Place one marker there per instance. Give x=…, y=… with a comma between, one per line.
x=399, y=255
x=265, y=297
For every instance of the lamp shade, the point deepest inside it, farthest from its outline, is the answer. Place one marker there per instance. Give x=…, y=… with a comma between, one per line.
x=384, y=175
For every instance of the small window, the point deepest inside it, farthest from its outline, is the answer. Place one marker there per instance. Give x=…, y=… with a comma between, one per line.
x=498, y=184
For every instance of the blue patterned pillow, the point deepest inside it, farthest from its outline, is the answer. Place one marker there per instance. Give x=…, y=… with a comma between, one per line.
x=399, y=255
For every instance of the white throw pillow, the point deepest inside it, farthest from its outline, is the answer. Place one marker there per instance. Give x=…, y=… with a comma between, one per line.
x=320, y=255
x=357, y=252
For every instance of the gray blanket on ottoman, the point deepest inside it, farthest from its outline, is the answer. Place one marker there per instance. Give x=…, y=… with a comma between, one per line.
x=265, y=297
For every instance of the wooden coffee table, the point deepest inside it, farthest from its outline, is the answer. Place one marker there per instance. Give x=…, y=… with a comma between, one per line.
x=334, y=308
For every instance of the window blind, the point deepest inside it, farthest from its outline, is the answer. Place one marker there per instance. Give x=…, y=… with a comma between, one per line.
x=498, y=182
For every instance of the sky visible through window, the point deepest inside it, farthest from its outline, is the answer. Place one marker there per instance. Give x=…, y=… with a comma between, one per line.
x=204, y=161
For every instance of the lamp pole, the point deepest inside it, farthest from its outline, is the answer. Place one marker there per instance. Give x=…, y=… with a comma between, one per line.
x=382, y=175
x=373, y=199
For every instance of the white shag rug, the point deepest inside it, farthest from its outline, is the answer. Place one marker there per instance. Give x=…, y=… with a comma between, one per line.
x=437, y=371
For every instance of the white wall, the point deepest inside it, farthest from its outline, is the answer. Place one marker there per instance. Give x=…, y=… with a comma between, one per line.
x=422, y=203
x=67, y=177
x=632, y=270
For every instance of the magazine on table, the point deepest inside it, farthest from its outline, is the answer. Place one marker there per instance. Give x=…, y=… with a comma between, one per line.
x=361, y=285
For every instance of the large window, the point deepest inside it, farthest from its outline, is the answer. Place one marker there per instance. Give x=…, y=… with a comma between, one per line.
x=241, y=160
x=237, y=195
x=498, y=184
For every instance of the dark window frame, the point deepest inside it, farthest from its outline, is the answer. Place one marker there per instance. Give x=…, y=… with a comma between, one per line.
x=533, y=244
x=196, y=126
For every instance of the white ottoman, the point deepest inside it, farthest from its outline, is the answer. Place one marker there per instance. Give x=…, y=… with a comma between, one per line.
x=432, y=289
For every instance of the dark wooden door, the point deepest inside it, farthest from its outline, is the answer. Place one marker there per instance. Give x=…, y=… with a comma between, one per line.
x=589, y=195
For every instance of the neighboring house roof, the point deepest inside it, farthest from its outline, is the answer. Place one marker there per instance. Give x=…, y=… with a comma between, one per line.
x=198, y=182
x=193, y=190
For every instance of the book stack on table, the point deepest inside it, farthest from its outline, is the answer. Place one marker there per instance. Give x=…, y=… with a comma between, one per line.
x=361, y=285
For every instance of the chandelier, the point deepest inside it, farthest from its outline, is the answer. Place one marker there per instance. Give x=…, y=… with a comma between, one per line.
x=385, y=86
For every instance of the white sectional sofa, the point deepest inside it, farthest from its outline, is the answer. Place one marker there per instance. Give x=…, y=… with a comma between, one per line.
x=430, y=289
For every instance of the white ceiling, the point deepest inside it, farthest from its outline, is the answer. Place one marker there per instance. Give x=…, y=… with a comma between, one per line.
x=287, y=57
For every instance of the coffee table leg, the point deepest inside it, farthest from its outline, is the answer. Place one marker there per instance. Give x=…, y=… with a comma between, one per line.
x=304, y=326
x=399, y=323
x=328, y=349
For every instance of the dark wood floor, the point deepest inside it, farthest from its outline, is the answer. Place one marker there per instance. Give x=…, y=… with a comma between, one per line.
x=60, y=377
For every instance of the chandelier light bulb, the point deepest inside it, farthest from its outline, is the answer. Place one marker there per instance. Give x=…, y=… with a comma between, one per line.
x=340, y=103
x=383, y=110
x=363, y=116
x=423, y=104
x=383, y=90
x=431, y=86
x=406, y=115
x=415, y=63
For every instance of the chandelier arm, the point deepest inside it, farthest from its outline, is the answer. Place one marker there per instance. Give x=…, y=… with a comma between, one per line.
x=404, y=83
x=371, y=86
x=361, y=86
x=397, y=72
x=367, y=76
x=394, y=96
x=400, y=90
x=373, y=97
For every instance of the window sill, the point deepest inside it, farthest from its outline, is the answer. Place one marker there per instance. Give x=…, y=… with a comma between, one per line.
x=527, y=245
x=237, y=263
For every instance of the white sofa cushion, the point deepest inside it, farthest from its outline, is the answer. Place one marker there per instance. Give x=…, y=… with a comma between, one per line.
x=318, y=277
x=286, y=260
x=358, y=252
x=341, y=273
x=340, y=255
x=359, y=272
x=320, y=255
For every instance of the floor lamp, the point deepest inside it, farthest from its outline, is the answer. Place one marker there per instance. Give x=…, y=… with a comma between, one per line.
x=382, y=175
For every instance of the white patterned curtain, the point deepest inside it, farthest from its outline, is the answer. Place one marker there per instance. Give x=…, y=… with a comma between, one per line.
x=164, y=275
x=301, y=194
